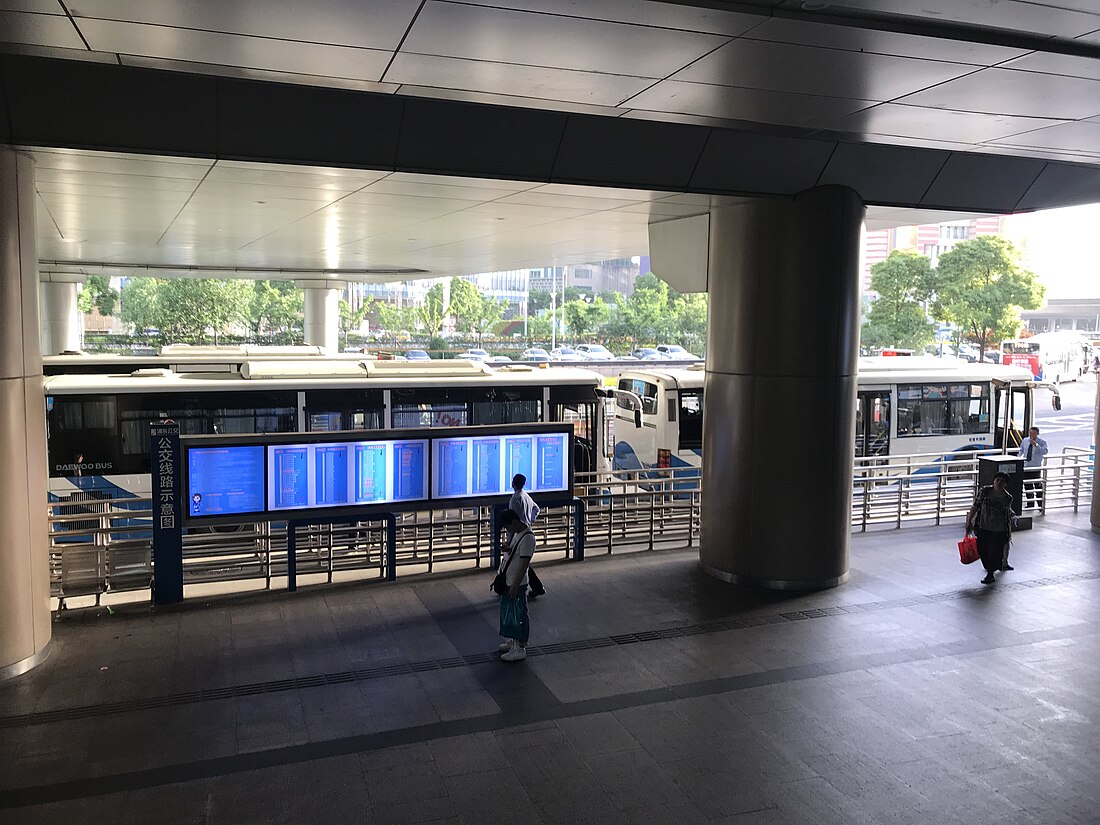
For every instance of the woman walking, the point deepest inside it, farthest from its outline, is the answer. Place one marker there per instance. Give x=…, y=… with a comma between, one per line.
x=991, y=517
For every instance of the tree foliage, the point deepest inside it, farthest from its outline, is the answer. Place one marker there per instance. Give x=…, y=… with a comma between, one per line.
x=433, y=310
x=97, y=294
x=980, y=285
x=277, y=308
x=186, y=310
x=897, y=318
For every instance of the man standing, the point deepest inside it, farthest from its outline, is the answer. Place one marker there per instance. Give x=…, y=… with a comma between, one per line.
x=515, y=626
x=1032, y=451
x=524, y=506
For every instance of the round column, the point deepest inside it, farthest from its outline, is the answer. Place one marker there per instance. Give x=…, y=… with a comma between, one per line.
x=779, y=414
x=24, y=553
x=322, y=314
x=61, y=319
x=1094, y=513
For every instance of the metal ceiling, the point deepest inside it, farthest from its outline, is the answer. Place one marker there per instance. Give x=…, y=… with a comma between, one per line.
x=1011, y=77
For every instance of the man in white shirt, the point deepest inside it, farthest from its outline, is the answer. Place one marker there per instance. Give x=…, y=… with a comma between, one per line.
x=515, y=624
x=524, y=506
x=1033, y=450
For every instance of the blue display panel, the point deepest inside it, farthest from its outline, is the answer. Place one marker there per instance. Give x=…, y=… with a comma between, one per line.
x=484, y=465
x=225, y=480
x=306, y=476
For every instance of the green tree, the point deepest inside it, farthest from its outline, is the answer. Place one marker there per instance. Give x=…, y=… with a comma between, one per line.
x=432, y=311
x=277, y=308
x=395, y=319
x=981, y=286
x=644, y=316
x=97, y=294
x=350, y=320
x=689, y=321
x=138, y=303
x=585, y=318
x=897, y=318
x=473, y=311
x=537, y=301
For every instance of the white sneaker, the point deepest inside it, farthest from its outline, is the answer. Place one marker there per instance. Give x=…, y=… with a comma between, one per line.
x=516, y=654
x=504, y=648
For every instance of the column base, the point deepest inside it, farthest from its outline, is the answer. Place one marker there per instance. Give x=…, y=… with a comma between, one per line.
x=22, y=666
x=773, y=584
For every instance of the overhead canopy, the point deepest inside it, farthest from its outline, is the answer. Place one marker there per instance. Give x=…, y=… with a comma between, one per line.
x=990, y=107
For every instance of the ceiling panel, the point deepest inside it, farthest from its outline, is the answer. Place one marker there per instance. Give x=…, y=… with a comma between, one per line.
x=1060, y=184
x=246, y=73
x=47, y=29
x=1057, y=64
x=113, y=164
x=508, y=79
x=828, y=72
x=740, y=161
x=480, y=33
x=731, y=103
x=644, y=12
x=966, y=180
x=235, y=50
x=852, y=38
x=378, y=24
x=40, y=6
x=923, y=122
x=879, y=173
x=1012, y=15
x=1006, y=92
x=507, y=100
x=1070, y=136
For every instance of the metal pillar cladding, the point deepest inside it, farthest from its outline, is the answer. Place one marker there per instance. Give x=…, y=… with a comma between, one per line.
x=1094, y=512
x=61, y=320
x=322, y=321
x=24, y=552
x=779, y=404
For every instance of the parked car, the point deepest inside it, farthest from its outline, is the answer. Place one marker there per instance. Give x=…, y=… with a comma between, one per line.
x=417, y=355
x=595, y=352
x=535, y=354
x=474, y=355
x=676, y=352
x=649, y=354
x=500, y=359
x=565, y=354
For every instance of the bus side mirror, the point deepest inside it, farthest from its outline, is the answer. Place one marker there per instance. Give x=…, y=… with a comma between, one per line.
x=638, y=418
x=1056, y=401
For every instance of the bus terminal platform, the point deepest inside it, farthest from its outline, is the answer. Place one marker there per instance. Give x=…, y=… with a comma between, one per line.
x=652, y=694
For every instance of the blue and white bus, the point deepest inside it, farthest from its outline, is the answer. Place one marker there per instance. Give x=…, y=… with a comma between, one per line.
x=904, y=406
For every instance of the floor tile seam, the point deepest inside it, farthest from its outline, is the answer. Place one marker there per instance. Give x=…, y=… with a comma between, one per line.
x=358, y=675
x=365, y=743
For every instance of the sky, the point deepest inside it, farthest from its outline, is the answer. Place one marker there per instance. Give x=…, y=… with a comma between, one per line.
x=1062, y=247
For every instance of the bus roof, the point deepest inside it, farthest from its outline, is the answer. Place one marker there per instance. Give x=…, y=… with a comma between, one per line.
x=318, y=374
x=872, y=370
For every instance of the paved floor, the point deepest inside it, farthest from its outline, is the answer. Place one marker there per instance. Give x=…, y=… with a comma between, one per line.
x=653, y=694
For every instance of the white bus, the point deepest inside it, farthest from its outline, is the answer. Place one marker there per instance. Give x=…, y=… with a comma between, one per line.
x=98, y=425
x=904, y=406
x=1050, y=356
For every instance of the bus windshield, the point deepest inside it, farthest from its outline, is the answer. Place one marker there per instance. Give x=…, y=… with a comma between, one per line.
x=1020, y=347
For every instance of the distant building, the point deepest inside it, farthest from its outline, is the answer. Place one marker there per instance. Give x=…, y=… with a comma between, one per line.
x=930, y=240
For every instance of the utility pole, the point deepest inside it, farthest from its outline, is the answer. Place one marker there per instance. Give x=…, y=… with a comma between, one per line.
x=554, y=310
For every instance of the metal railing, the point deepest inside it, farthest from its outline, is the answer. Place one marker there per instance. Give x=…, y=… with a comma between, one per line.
x=101, y=546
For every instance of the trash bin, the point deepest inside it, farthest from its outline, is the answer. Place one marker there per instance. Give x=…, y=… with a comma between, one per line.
x=1013, y=467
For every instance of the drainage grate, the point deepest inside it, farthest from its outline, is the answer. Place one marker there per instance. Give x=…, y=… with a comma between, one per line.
x=366, y=674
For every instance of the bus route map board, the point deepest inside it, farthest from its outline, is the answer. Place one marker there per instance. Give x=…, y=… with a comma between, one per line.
x=231, y=477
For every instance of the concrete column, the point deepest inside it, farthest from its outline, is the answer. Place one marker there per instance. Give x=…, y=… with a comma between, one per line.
x=322, y=322
x=779, y=414
x=61, y=319
x=1094, y=513
x=24, y=556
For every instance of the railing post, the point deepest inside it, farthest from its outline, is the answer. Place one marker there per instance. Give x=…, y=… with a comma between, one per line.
x=578, y=529
x=291, y=556
x=391, y=546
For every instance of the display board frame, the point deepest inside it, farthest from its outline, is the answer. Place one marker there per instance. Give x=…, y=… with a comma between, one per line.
x=431, y=435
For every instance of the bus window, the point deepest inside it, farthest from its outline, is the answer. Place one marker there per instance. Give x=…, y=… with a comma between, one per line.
x=942, y=409
x=330, y=410
x=691, y=420
x=873, y=423
x=644, y=390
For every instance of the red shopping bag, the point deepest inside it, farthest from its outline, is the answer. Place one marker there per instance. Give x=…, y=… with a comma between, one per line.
x=968, y=550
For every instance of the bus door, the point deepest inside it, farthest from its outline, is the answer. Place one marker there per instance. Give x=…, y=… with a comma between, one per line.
x=873, y=423
x=1013, y=416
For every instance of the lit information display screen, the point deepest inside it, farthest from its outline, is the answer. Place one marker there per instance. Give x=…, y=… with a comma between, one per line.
x=305, y=476
x=484, y=465
x=225, y=480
